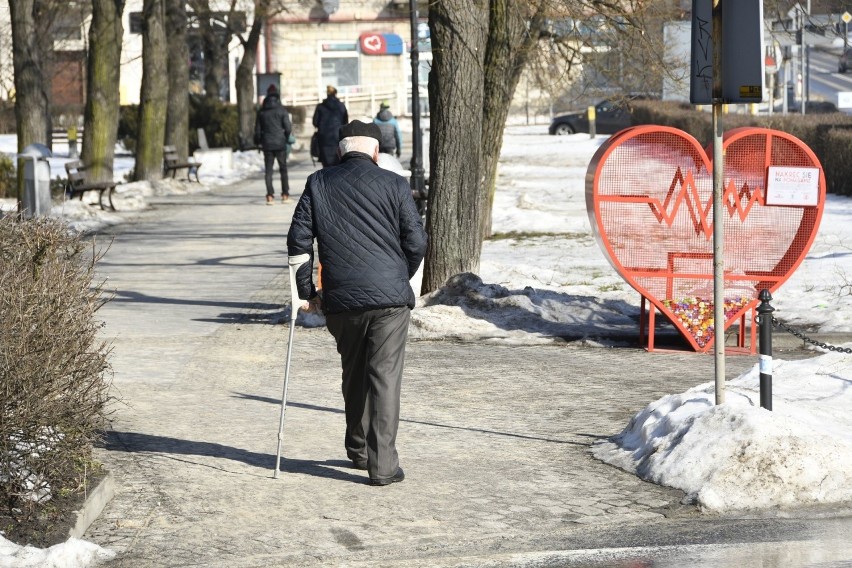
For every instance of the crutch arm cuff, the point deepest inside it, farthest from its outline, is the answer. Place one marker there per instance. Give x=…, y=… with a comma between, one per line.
x=298, y=259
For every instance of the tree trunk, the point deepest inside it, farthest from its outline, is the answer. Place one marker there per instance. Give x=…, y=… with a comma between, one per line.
x=153, y=96
x=456, y=190
x=32, y=108
x=102, y=99
x=177, y=115
x=244, y=80
x=512, y=34
x=215, y=44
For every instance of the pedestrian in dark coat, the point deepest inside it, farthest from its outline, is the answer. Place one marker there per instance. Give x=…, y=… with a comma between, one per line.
x=371, y=241
x=329, y=116
x=272, y=128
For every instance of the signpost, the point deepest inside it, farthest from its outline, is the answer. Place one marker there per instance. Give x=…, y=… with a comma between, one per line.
x=727, y=67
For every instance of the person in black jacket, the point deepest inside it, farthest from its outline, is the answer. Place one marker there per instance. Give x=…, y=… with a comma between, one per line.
x=371, y=241
x=272, y=130
x=329, y=116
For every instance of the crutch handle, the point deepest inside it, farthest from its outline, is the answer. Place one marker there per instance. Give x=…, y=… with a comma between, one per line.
x=294, y=263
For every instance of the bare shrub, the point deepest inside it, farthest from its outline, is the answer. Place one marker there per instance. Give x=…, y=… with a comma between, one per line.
x=54, y=371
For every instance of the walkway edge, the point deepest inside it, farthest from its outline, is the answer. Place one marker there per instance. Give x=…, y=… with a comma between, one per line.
x=93, y=505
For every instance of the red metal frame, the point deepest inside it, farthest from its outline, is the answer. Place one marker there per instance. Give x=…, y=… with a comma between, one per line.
x=649, y=197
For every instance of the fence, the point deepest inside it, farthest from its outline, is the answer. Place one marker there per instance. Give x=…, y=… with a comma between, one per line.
x=361, y=99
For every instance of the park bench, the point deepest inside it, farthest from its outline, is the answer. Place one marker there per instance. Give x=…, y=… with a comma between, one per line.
x=78, y=184
x=172, y=163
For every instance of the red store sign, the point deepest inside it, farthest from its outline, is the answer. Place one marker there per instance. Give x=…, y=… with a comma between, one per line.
x=375, y=43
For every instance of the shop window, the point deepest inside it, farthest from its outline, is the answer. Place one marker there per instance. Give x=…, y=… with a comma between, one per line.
x=340, y=66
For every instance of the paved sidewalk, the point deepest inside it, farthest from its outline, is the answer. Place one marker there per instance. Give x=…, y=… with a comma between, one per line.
x=494, y=439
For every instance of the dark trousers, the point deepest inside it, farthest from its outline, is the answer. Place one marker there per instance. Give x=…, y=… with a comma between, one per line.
x=371, y=344
x=269, y=159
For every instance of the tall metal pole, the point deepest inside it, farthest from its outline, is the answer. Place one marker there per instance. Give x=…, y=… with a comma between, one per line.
x=718, y=217
x=418, y=185
x=802, y=70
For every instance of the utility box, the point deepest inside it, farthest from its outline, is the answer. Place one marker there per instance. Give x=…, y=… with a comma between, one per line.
x=36, y=199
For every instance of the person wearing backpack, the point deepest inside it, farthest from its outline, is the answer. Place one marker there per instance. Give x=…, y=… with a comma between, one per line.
x=391, y=141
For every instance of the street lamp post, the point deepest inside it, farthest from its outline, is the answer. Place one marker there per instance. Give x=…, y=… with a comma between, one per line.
x=418, y=184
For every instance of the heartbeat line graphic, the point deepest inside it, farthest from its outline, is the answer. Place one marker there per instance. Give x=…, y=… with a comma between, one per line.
x=684, y=191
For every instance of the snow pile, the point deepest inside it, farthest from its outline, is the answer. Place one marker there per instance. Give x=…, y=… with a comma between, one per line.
x=72, y=553
x=528, y=315
x=739, y=456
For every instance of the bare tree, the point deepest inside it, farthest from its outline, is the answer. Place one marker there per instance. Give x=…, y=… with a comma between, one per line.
x=102, y=98
x=244, y=80
x=215, y=35
x=480, y=50
x=32, y=108
x=154, y=92
x=514, y=30
x=459, y=33
x=177, y=115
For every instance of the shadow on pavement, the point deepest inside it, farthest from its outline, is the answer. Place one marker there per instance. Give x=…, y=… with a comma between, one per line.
x=306, y=406
x=135, y=442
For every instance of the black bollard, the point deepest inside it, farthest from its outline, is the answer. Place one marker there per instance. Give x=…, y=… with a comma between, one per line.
x=764, y=319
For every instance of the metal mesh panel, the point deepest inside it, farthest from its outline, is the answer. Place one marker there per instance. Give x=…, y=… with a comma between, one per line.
x=650, y=201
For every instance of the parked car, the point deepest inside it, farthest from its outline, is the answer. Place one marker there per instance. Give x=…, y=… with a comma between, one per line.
x=843, y=62
x=610, y=117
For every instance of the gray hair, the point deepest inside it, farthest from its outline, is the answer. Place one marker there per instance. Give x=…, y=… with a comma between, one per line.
x=365, y=144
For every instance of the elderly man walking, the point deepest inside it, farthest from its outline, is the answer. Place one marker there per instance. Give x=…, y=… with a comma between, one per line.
x=371, y=241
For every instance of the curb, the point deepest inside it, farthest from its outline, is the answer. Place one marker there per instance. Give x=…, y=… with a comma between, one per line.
x=92, y=507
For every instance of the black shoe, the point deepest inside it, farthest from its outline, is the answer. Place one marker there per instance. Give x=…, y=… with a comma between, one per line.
x=398, y=476
x=359, y=464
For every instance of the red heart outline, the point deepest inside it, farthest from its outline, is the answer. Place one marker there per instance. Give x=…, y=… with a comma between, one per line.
x=649, y=197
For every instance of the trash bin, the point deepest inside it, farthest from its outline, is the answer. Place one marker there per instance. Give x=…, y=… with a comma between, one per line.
x=36, y=201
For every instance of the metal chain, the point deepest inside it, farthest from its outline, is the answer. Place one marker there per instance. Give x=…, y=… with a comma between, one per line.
x=807, y=339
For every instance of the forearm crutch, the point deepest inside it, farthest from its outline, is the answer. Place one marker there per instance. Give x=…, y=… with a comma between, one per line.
x=293, y=263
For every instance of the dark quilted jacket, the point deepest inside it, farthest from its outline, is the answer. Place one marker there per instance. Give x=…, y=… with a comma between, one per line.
x=272, y=126
x=369, y=235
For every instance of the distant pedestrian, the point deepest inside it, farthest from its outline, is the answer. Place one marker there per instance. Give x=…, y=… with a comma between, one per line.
x=329, y=116
x=272, y=130
x=371, y=242
x=391, y=141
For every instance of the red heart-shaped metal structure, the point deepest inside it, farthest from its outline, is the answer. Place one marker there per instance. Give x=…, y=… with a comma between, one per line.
x=649, y=196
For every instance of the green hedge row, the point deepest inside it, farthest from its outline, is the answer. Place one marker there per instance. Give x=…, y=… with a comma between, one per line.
x=829, y=136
